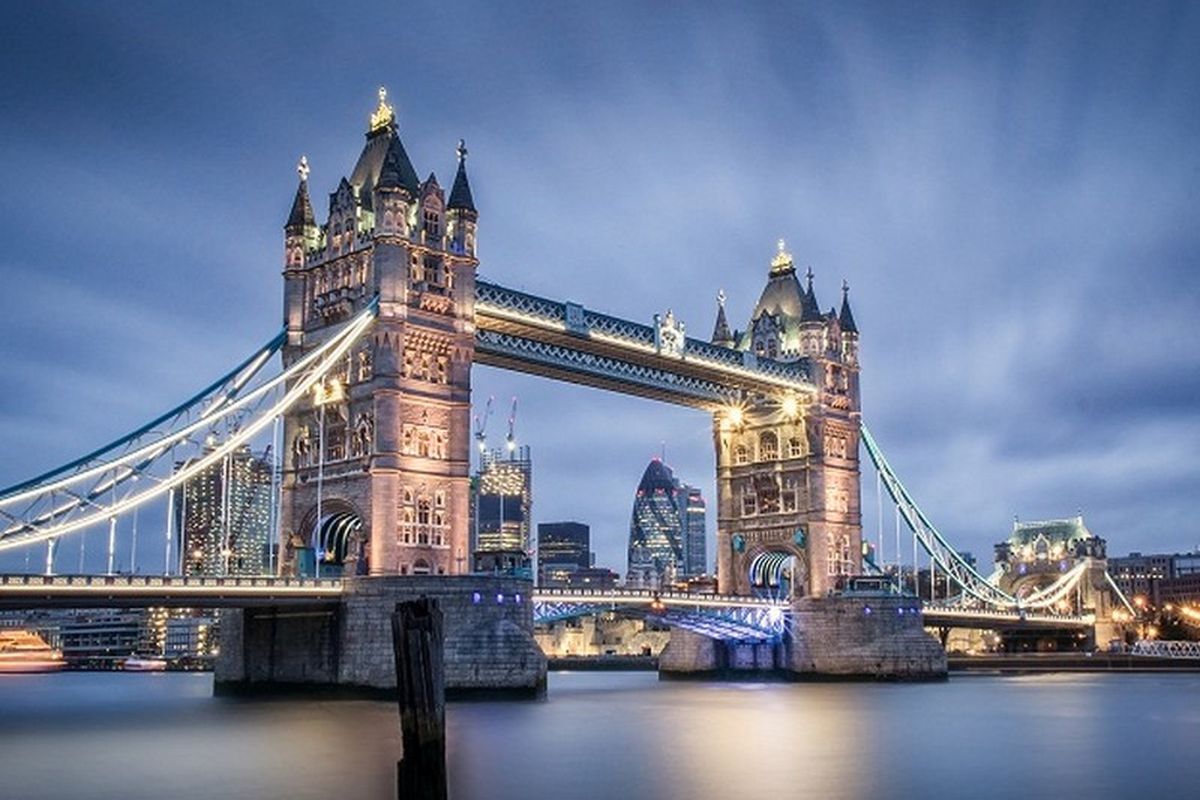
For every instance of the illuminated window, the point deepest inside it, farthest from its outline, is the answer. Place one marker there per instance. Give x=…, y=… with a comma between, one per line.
x=768, y=447
x=741, y=455
x=795, y=447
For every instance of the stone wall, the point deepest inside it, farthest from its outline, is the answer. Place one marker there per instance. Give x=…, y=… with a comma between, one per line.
x=488, y=624
x=848, y=637
x=863, y=637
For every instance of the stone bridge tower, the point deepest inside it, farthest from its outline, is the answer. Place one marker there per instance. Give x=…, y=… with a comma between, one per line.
x=788, y=500
x=376, y=462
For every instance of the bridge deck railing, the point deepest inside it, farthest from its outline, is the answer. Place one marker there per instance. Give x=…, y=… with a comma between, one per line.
x=167, y=582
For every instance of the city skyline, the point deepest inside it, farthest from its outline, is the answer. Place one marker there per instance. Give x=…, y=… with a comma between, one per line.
x=1031, y=354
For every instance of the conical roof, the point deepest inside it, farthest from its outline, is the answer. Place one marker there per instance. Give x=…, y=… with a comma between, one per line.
x=460, y=193
x=722, y=335
x=395, y=170
x=845, y=318
x=302, y=210
x=810, y=309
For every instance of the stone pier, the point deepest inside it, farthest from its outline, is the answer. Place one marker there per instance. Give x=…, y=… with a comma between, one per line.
x=489, y=645
x=849, y=637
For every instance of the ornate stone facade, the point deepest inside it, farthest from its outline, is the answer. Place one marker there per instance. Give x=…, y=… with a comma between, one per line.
x=387, y=436
x=788, y=500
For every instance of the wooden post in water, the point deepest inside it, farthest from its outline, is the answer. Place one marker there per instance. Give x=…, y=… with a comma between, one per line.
x=421, y=691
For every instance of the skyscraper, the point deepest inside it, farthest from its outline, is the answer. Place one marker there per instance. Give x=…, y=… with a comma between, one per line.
x=667, y=527
x=692, y=511
x=223, y=517
x=503, y=501
x=563, y=549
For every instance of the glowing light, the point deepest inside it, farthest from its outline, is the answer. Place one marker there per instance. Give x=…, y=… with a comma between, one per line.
x=384, y=115
x=735, y=415
x=790, y=406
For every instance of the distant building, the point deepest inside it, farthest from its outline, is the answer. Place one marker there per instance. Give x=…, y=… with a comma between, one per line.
x=503, y=504
x=1159, y=577
x=667, y=526
x=223, y=517
x=695, y=551
x=593, y=578
x=563, y=548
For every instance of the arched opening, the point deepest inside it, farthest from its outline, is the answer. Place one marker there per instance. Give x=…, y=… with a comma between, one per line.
x=775, y=574
x=421, y=567
x=340, y=538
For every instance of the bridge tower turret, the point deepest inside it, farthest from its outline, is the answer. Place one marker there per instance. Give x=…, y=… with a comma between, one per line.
x=387, y=493
x=788, y=500
x=301, y=236
x=461, y=209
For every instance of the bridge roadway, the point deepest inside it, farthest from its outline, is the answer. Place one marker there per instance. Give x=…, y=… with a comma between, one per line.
x=132, y=591
x=140, y=591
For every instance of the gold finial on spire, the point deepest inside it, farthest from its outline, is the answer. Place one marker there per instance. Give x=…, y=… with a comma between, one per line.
x=302, y=169
x=461, y=150
x=721, y=298
x=782, y=260
x=384, y=114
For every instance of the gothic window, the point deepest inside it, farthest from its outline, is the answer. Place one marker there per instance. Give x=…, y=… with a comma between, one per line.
x=433, y=223
x=302, y=448
x=408, y=440
x=439, y=498
x=768, y=447
x=407, y=517
x=788, y=496
x=407, y=494
x=443, y=371
x=335, y=444
x=360, y=445
x=795, y=447
x=364, y=365
x=741, y=455
x=421, y=567
x=423, y=518
x=749, y=502
x=424, y=440
x=772, y=349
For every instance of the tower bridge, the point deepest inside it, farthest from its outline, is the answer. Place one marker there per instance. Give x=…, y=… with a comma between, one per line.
x=364, y=397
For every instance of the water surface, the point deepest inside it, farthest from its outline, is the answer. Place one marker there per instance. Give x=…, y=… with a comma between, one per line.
x=615, y=735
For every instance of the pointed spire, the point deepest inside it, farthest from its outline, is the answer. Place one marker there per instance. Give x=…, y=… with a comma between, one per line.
x=460, y=193
x=722, y=335
x=846, y=319
x=302, y=210
x=810, y=310
x=397, y=171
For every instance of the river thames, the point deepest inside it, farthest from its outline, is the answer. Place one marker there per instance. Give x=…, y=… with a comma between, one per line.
x=615, y=735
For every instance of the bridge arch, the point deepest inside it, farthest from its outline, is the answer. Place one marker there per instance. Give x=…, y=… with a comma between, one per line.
x=777, y=572
x=341, y=536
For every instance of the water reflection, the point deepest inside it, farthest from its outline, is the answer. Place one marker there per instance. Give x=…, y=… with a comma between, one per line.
x=615, y=735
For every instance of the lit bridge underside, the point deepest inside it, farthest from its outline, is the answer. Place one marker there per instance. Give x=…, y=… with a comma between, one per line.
x=554, y=339
x=141, y=591
x=725, y=617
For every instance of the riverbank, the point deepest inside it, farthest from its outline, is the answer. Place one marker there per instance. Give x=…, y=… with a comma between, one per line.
x=1070, y=662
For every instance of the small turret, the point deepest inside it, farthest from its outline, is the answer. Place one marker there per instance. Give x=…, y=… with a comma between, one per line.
x=301, y=233
x=810, y=310
x=845, y=318
x=460, y=209
x=722, y=335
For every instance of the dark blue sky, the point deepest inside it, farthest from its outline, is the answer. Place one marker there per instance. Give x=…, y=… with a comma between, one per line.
x=1011, y=190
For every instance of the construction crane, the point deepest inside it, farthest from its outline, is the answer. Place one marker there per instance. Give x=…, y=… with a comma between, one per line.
x=481, y=426
x=512, y=421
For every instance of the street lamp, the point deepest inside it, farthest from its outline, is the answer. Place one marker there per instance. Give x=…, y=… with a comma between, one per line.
x=322, y=396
